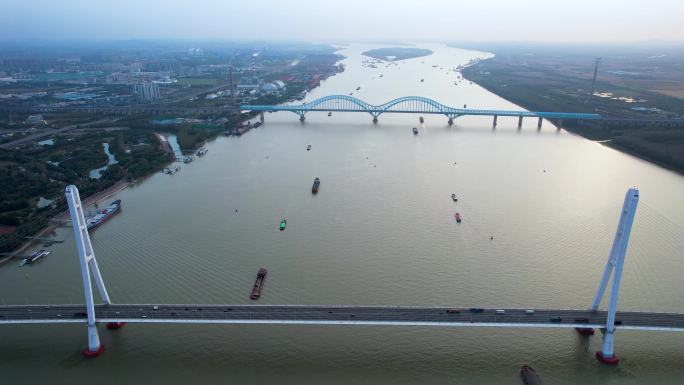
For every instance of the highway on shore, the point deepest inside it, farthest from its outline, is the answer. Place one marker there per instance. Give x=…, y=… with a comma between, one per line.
x=341, y=315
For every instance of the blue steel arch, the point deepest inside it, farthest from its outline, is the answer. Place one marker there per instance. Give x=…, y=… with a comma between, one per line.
x=410, y=103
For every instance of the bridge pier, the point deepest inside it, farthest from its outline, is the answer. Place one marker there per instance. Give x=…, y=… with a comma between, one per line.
x=520, y=118
x=616, y=261
x=495, y=119
x=88, y=265
x=302, y=118
x=375, y=119
x=539, y=123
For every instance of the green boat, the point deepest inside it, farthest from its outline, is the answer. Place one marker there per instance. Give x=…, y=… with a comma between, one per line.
x=282, y=224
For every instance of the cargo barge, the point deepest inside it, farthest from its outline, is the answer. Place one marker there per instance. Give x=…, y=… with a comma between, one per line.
x=458, y=217
x=104, y=215
x=35, y=257
x=316, y=184
x=258, y=284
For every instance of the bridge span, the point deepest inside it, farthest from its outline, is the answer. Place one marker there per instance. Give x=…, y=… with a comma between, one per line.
x=341, y=315
x=115, y=315
x=410, y=105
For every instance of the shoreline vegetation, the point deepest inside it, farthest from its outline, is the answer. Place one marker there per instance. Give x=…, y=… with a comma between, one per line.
x=397, y=53
x=645, y=124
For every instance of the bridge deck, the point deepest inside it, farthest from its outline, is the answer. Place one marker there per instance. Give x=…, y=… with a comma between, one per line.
x=453, y=111
x=341, y=315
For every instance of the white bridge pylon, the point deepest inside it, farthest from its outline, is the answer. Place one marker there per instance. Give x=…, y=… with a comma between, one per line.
x=616, y=260
x=88, y=266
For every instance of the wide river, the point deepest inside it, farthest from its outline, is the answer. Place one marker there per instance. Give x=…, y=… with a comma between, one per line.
x=381, y=231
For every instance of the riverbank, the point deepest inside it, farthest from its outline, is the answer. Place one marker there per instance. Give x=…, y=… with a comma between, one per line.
x=537, y=87
x=62, y=218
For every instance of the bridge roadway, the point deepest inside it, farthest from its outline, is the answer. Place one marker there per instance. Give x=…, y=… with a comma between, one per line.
x=336, y=315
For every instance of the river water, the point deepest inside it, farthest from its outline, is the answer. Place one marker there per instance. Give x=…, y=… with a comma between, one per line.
x=381, y=231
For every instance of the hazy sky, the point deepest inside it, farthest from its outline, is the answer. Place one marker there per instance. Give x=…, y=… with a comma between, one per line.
x=325, y=20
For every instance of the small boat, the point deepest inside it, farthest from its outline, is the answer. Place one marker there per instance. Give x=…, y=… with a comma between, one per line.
x=283, y=223
x=316, y=183
x=454, y=197
x=421, y=119
x=358, y=88
x=465, y=106
x=422, y=80
x=171, y=170
x=202, y=151
x=351, y=93
x=329, y=113
x=380, y=76
x=458, y=217
x=258, y=284
x=415, y=131
x=529, y=376
x=308, y=148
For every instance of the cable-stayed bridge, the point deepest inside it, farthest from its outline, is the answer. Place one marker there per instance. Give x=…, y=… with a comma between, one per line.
x=116, y=315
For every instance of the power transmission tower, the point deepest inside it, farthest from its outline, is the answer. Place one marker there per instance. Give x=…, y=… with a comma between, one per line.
x=593, y=82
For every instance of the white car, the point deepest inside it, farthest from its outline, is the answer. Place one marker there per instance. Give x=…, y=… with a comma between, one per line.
x=500, y=311
x=529, y=311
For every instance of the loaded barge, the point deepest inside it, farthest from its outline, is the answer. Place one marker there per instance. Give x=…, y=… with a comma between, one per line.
x=316, y=184
x=104, y=215
x=258, y=284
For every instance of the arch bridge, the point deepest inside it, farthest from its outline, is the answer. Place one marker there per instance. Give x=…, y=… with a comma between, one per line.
x=409, y=105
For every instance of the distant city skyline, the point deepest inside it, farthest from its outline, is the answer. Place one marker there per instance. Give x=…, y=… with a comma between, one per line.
x=489, y=20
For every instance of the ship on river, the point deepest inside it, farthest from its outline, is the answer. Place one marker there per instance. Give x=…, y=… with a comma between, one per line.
x=35, y=257
x=258, y=284
x=103, y=216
